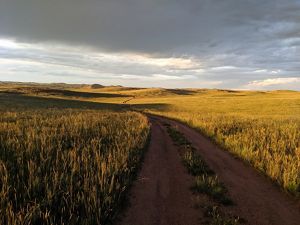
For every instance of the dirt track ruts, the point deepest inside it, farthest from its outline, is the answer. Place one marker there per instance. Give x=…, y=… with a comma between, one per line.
x=161, y=195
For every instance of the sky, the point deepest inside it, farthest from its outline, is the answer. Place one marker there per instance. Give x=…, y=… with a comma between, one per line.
x=232, y=44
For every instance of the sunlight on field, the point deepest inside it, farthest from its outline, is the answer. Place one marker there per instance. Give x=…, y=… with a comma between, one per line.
x=261, y=127
x=83, y=144
x=63, y=164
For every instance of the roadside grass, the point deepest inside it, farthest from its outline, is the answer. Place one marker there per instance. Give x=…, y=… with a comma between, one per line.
x=194, y=163
x=177, y=137
x=205, y=180
x=218, y=218
x=211, y=186
x=66, y=162
x=262, y=128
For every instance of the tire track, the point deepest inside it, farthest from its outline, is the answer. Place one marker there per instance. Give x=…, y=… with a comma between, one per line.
x=161, y=195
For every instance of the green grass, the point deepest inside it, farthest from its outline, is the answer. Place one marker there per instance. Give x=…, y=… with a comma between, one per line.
x=211, y=186
x=218, y=218
x=205, y=179
x=195, y=164
x=177, y=137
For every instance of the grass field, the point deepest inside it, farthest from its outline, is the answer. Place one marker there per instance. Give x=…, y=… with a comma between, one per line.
x=71, y=152
x=263, y=128
x=66, y=161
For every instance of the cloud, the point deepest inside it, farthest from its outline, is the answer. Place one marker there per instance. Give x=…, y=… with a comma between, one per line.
x=66, y=64
x=149, y=26
x=274, y=81
x=224, y=44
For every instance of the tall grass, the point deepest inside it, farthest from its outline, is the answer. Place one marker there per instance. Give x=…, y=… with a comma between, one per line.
x=269, y=144
x=262, y=128
x=67, y=166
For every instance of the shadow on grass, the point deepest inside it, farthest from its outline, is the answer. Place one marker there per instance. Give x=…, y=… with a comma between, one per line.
x=150, y=106
x=181, y=91
x=66, y=93
x=17, y=100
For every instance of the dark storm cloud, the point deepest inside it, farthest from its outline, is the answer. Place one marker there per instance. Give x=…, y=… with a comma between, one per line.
x=249, y=35
x=149, y=26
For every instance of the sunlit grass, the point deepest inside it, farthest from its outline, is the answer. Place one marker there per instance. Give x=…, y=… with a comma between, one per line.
x=67, y=166
x=263, y=128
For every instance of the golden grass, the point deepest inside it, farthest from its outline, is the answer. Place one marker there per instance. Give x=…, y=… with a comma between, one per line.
x=262, y=128
x=67, y=166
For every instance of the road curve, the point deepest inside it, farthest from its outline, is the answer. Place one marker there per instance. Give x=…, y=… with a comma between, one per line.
x=161, y=194
x=258, y=200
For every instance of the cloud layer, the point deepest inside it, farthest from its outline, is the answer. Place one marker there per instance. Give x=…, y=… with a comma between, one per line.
x=227, y=44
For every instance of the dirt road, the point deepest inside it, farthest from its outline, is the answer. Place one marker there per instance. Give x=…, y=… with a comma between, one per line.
x=161, y=195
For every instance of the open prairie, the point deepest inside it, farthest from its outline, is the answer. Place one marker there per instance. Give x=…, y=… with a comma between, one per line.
x=66, y=161
x=262, y=128
x=68, y=155
x=149, y=112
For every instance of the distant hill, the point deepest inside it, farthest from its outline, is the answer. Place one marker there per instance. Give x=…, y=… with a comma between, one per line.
x=96, y=86
x=44, y=85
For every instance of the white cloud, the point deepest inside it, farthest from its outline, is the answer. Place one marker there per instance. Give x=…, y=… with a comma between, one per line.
x=265, y=71
x=260, y=71
x=274, y=81
x=50, y=62
x=223, y=68
x=5, y=43
x=62, y=63
x=167, y=77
